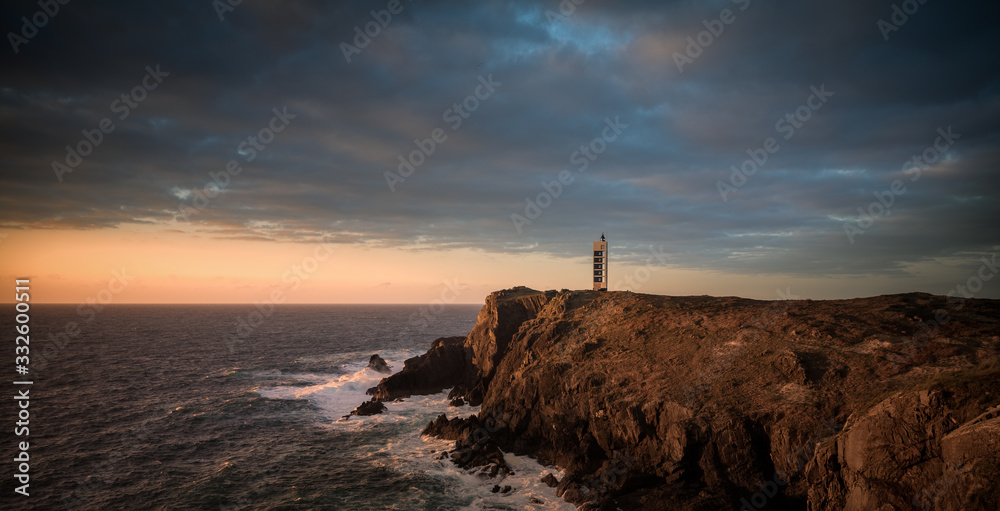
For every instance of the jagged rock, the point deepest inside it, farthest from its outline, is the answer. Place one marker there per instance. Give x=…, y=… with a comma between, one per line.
x=473, y=396
x=498, y=322
x=906, y=452
x=369, y=408
x=377, y=363
x=474, y=448
x=550, y=480
x=448, y=429
x=446, y=364
x=457, y=402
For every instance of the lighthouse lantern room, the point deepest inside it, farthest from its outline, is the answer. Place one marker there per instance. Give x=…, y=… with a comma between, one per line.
x=601, y=264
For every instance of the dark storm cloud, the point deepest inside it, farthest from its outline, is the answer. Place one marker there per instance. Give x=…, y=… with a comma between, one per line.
x=560, y=80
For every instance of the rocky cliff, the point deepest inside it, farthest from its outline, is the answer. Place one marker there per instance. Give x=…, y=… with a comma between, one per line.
x=446, y=364
x=691, y=403
x=467, y=364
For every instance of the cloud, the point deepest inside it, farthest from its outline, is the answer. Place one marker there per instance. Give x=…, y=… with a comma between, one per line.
x=657, y=184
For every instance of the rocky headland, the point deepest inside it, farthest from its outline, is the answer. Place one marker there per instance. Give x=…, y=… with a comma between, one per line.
x=706, y=403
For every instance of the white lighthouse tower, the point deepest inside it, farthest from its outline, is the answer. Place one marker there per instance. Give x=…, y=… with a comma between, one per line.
x=601, y=264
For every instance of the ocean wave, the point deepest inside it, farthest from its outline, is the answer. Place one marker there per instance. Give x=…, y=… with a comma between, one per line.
x=392, y=441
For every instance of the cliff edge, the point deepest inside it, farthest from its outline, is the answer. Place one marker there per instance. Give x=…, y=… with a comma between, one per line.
x=690, y=403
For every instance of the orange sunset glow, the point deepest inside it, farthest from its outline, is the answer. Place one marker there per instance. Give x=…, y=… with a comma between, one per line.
x=171, y=266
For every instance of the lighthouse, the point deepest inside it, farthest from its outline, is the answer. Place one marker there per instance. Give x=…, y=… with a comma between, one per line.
x=601, y=264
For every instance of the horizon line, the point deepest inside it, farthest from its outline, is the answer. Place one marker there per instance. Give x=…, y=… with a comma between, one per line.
x=482, y=302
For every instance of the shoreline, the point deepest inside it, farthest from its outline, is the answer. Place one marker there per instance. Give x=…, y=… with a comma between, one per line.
x=717, y=401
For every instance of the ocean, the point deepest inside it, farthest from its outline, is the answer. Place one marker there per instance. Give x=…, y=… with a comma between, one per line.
x=209, y=407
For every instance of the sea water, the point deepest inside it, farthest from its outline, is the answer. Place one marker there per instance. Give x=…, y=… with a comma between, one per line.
x=191, y=407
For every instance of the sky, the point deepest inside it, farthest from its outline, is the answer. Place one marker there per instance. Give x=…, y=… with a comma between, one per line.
x=422, y=152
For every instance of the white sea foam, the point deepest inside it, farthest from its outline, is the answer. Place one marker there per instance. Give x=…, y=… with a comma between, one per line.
x=412, y=452
x=336, y=395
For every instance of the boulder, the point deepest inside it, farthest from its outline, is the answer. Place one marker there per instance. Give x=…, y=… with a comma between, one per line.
x=377, y=363
x=550, y=480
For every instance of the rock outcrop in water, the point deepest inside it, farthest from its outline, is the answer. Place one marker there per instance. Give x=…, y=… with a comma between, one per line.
x=471, y=451
x=377, y=363
x=447, y=364
x=368, y=408
x=691, y=403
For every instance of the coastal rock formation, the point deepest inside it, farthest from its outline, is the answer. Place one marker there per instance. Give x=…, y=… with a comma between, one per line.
x=691, y=403
x=473, y=447
x=368, y=408
x=377, y=363
x=499, y=320
x=907, y=452
x=550, y=480
x=466, y=364
x=446, y=364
